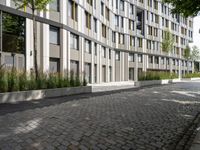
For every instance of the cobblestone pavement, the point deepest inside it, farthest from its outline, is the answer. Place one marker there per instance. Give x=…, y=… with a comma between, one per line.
x=149, y=118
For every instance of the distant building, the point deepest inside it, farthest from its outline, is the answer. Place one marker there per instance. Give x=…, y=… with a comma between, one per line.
x=110, y=41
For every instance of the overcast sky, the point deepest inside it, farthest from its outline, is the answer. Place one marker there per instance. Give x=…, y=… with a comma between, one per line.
x=196, y=32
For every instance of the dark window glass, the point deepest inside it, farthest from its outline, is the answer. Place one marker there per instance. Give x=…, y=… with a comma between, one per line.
x=13, y=33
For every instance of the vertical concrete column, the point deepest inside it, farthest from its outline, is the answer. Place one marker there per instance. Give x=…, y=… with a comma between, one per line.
x=179, y=69
x=188, y=66
x=81, y=59
x=64, y=48
x=136, y=67
x=122, y=66
x=68, y=52
x=193, y=67
x=7, y=2
x=45, y=47
x=92, y=64
x=107, y=65
x=29, y=45
x=144, y=68
x=153, y=62
x=100, y=64
x=170, y=65
x=113, y=66
x=63, y=11
x=159, y=62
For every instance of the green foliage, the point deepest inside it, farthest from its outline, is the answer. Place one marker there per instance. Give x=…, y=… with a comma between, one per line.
x=32, y=4
x=192, y=75
x=84, y=82
x=23, y=86
x=156, y=75
x=187, y=52
x=185, y=7
x=195, y=55
x=3, y=81
x=72, y=80
x=168, y=42
x=77, y=81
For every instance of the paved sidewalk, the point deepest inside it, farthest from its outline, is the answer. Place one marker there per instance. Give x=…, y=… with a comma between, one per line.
x=196, y=142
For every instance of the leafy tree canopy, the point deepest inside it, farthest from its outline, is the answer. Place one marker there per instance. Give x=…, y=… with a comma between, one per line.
x=185, y=7
x=195, y=54
x=32, y=4
x=168, y=41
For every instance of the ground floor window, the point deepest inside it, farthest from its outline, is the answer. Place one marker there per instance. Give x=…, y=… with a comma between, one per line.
x=54, y=65
x=88, y=72
x=74, y=67
x=131, y=74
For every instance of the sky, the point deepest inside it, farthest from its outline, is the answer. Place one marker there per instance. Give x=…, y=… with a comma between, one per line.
x=196, y=36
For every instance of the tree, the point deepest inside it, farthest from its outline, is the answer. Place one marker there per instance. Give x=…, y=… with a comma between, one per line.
x=35, y=6
x=195, y=54
x=168, y=42
x=185, y=7
x=187, y=52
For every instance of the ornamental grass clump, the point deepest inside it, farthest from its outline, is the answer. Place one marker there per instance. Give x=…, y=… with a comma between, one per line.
x=12, y=80
x=157, y=75
x=192, y=75
x=3, y=80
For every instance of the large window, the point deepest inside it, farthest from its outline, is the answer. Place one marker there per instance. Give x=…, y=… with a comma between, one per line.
x=54, y=5
x=54, y=65
x=74, y=41
x=88, y=46
x=13, y=33
x=54, y=35
x=72, y=10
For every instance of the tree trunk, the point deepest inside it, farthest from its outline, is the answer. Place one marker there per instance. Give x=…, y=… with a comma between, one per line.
x=35, y=45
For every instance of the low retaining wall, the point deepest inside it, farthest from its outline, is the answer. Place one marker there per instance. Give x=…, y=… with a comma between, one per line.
x=191, y=79
x=14, y=97
x=156, y=82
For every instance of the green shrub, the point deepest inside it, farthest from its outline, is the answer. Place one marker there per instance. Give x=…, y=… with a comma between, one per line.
x=157, y=75
x=42, y=81
x=23, y=82
x=52, y=81
x=192, y=75
x=84, y=82
x=72, y=80
x=3, y=81
x=13, y=81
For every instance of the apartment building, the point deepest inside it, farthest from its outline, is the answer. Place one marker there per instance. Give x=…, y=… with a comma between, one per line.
x=107, y=40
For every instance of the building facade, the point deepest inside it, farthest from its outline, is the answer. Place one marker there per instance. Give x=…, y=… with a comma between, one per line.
x=107, y=40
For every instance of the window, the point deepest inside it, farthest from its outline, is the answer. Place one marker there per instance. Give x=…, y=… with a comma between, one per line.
x=13, y=33
x=150, y=59
x=132, y=41
x=87, y=46
x=156, y=60
x=95, y=25
x=102, y=8
x=54, y=35
x=74, y=41
x=131, y=9
x=131, y=25
x=122, y=5
x=121, y=38
x=131, y=57
x=103, y=52
x=110, y=52
x=54, y=5
x=87, y=69
x=72, y=10
x=122, y=22
x=139, y=42
x=103, y=30
x=162, y=61
x=95, y=49
x=54, y=65
x=74, y=66
x=113, y=37
x=87, y=20
x=117, y=20
x=89, y=2
x=107, y=14
x=117, y=55
x=140, y=58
